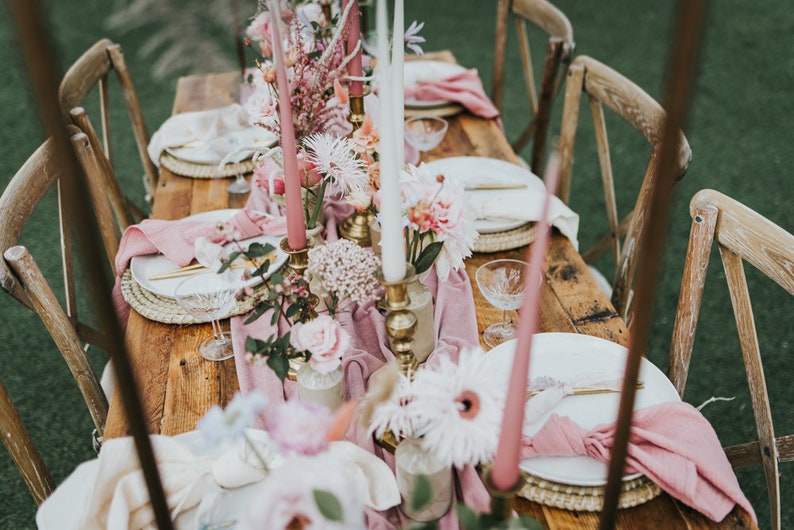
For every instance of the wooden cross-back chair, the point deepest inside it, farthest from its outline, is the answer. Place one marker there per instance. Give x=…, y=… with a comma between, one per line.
x=543, y=17
x=92, y=71
x=605, y=87
x=21, y=277
x=742, y=235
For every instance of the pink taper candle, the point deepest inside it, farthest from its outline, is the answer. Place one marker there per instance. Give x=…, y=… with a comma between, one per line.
x=296, y=223
x=354, y=68
x=505, y=473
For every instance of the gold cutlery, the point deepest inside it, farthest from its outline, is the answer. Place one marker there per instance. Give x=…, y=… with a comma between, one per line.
x=196, y=268
x=581, y=391
x=493, y=186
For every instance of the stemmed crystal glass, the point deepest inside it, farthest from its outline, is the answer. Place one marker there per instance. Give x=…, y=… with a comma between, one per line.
x=501, y=282
x=425, y=133
x=209, y=297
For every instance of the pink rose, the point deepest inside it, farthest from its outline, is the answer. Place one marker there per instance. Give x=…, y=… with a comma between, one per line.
x=307, y=169
x=325, y=338
x=268, y=173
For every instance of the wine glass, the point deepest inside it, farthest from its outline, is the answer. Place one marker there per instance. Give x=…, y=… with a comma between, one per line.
x=501, y=282
x=425, y=133
x=209, y=297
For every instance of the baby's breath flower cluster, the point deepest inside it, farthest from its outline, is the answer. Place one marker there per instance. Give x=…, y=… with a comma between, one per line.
x=345, y=271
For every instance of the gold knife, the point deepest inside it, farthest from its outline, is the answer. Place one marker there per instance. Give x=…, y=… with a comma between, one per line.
x=493, y=186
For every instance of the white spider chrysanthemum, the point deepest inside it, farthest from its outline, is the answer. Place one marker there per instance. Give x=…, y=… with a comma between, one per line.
x=336, y=160
x=398, y=413
x=461, y=405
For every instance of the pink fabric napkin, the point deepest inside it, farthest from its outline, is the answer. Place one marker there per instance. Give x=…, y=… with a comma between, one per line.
x=464, y=88
x=671, y=443
x=175, y=240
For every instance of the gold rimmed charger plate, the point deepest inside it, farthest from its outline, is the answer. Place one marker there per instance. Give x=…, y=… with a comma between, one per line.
x=440, y=111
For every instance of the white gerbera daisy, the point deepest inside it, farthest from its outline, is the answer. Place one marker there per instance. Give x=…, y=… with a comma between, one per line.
x=461, y=407
x=397, y=413
x=336, y=161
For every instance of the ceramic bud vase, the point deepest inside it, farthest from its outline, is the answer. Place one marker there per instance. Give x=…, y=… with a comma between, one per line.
x=410, y=461
x=316, y=234
x=326, y=389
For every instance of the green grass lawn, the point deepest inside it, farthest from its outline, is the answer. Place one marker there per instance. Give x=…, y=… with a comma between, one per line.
x=738, y=127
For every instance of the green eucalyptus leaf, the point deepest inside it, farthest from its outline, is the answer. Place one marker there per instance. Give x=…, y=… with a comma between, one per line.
x=329, y=505
x=422, y=494
x=258, y=311
x=428, y=256
x=257, y=250
x=468, y=518
x=280, y=365
x=276, y=278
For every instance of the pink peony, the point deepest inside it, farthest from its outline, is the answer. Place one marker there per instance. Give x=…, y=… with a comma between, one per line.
x=299, y=426
x=325, y=338
x=269, y=176
x=286, y=498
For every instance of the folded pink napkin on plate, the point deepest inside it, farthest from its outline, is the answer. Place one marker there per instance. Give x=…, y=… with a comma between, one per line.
x=464, y=88
x=671, y=443
x=175, y=240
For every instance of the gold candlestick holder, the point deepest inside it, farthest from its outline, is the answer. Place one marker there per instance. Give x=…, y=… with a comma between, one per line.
x=400, y=322
x=501, y=501
x=298, y=263
x=356, y=229
x=356, y=117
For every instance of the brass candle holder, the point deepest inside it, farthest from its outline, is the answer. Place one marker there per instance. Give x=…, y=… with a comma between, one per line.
x=356, y=229
x=400, y=322
x=298, y=263
x=502, y=502
x=356, y=117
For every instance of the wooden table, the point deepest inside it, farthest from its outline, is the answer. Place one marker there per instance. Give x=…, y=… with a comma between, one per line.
x=177, y=386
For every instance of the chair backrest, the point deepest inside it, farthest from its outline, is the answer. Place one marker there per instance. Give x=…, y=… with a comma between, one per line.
x=23, y=451
x=742, y=235
x=606, y=87
x=544, y=18
x=91, y=71
x=21, y=277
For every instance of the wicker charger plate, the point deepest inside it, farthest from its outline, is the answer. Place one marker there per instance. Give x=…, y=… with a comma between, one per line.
x=586, y=498
x=167, y=310
x=204, y=171
x=510, y=239
x=441, y=111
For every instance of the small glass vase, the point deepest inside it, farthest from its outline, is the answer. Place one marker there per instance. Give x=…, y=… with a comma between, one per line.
x=412, y=460
x=422, y=306
x=326, y=389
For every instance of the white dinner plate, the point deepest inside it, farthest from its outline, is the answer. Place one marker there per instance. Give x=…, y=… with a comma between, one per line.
x=213, y=150
x=564, y=355
x=146, y=266
x=470, y=170
x=417, y=71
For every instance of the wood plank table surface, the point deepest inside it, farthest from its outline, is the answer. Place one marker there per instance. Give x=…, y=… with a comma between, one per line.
x=177, y=386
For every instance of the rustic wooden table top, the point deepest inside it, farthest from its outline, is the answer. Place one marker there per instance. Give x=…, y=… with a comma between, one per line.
x=177, y=386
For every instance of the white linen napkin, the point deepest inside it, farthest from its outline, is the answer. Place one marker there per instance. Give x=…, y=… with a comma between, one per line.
x=201, y=126
x=110, y=492
x=526, y=205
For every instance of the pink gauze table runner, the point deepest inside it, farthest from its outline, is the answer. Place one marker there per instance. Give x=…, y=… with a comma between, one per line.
x=455, y=326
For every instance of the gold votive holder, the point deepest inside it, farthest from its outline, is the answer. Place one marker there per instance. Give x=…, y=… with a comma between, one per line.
x=400, y=322
x=298, y=262
x=356, y=229
x=502, y=502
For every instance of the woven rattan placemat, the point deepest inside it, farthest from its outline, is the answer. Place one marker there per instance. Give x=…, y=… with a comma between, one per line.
x=167, y=310
x=498, y=241
x=441, y=111
x=586, y=498
x=204, y=171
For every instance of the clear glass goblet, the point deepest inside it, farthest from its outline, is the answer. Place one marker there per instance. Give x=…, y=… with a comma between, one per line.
x=209, y=297
x=501, y=282
x=425, y=133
